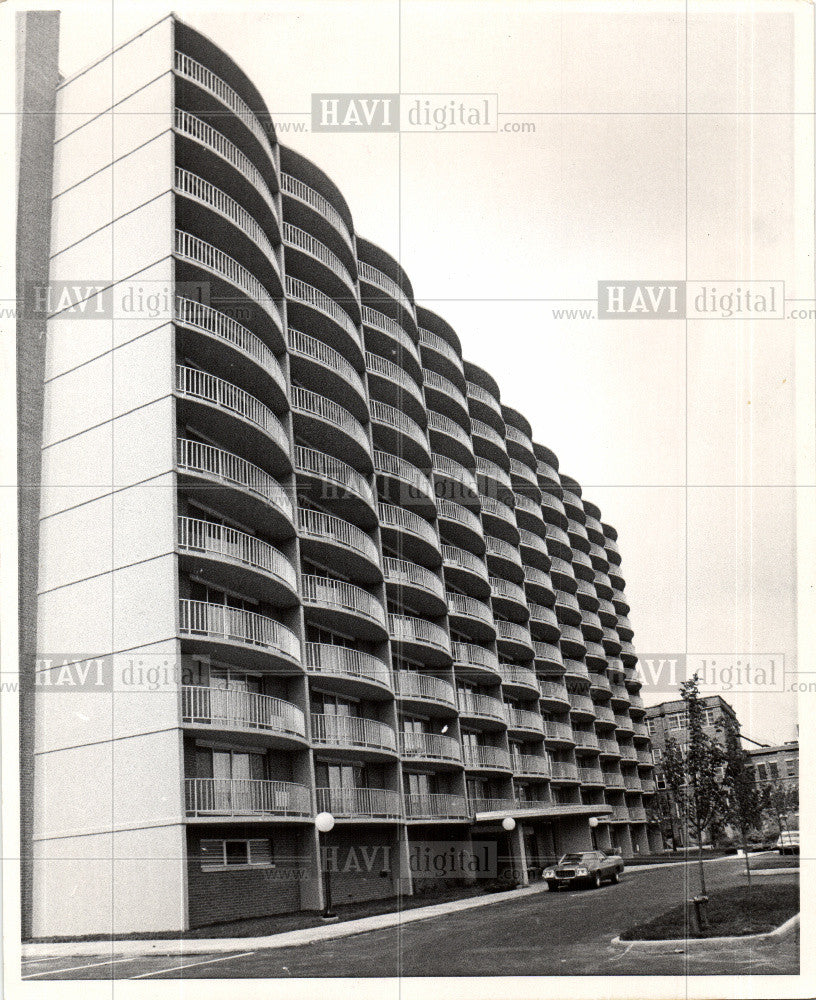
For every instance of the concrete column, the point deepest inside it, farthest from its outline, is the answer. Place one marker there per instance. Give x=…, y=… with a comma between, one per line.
x=518, y=853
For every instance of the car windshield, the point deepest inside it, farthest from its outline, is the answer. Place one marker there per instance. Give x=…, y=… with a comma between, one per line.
x=574, y=859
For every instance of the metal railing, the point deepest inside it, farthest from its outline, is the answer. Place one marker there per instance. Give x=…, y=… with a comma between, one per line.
x=444, y=466
x=483, y=706
x=382, y=366
x=558, y=731
x=326, y=591
x=216, y=463
x=591, y=775
x=409, y=629
x=581, y=703
x=468, y=654
x=407, y=520
x=404, y=572
x=511, y=591
x=374, y=276
x=305, y=346
x=343, y=661
x=315, y=524
x=513, y=632
x=612, y=779
x=310, y=403
x=522, y=471
x=490, y=505
x=432, y=746
x=531, y=764
x=299, y=239
x=332, y=470
x=427, y=338
x=410, y=684
x=433, y=380
x=483, y=430
x=219, y=621
x=392, y=465
x=518, y=675
x=483, y=805
x=484, y=467
x=390, y=416
x=300, y=291
x=483, y=396
x=351, y=803
x=487, y=758
x=445, y=425
x=233, y=709
x=450, y=511
x=350, y=730
x=453, y=556
x=518, y=437
x=207, y=537
x=436, y=805
x=554, y=690
x=504, y=550
x=565, y=771
x=297, y=188
x=523, y=718
x=379, y=321
x=469, y=607
x=246, y=797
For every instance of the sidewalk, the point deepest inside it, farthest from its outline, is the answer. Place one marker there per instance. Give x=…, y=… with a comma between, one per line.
x=307, y=935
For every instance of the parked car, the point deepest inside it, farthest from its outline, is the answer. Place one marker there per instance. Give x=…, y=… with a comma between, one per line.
x=788, y=842
x=589, y=868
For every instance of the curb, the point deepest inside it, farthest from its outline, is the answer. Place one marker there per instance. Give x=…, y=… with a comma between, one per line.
x=697, y=945
x=306, y=935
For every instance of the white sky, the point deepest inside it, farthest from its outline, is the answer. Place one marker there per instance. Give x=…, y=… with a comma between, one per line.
x=489, y=226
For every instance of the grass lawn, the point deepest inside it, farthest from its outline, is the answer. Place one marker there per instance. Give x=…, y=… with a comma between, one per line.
x=775, y=861
x=731, y=912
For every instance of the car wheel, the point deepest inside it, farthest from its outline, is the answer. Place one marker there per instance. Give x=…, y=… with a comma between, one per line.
x=615, y=878
x=552, y=887
x=596, y=882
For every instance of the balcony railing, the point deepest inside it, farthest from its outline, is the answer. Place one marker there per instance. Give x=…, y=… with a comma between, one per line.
x=509, y=591
x=483, y=396
x=481, y=706
x=512, y=632
x=246, y=797
x=430, y=746
x=553, y=690
x=531, y=765
x=232, y=709
x=468, y=654
x=564, y=771
x=490, y=470
x=387, y=369
x=324, y=591
x=558, y=731
x=580, y=703
x=322, y=659
x=519, y=676
x=310, y=403
x=352, y=731
x=317, y=525
x=197, y=537
x=411, y=574
x=299, y=239
x=409, y=629
x=356, y=803
x=296, y=188
x=521, y=471
x=433, y=380
x=379, y=321
x=410, y=684
x=386, y=464
x=591, y=776
x=407, y=520
x=332, y=470
x=501, y=549
x=483, y=430
x=585, y=739
x=300, y=291
x=547, y=653
x=637, y=815
x=210, y=258
x=429, y=339
x=192, y=383
x=469, y=607
x=205, y=193
x=447, y=510
x=436, y=805
x=390, y=416
x=609, y=747
x=483, y=805
x=444, y=425
x=457, y=558
x=374, y=276
x=486, y=758
x=444, y=466
x=219, y=621
x=495, y=508
x=522, y=718
x=518, y=437
x=612, y=779
x=304, y=346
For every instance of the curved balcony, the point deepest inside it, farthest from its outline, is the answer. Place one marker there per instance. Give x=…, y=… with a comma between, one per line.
x=581, y=705
x=548, y=657
x=595, y=655
x=577, y=535
x=232, y=558
x=378, y=279
x=466, y=570
x=329, y=426
x=484, y=406
x=563, y=575
x=576, y=672
x=533, y=549
x=624, y=628
x=343, y=732
x=558, y=545
x=315, y=362
x=611, y=642
x=599, y=685
x=300, y=241
x=620, y=696
x=359, y=803
x=624, y=724
x=333, y=541
x=391, y=338
x=475, y=661
x=409, y=534
x=539, y=586
x=524, y=475
x=597, y=557
x=251, y=495
x=293, y=187
x=554, y=694
x=620, y=603
x=204, y=135
x=648, y=786
x=340, y=606
x=222, y=343
x=629, y=658
x=430, y=748
x=591, y=626
x=442, y=395
x=484, y=758
x=609, y=748
x=587, y=598
x=612, y=779
x=524, y=722
x=603, y=585
x=572, y=642
x=631, y=783
x=499, y=520
x=418, y=639
x=394, y=385
x=593, y=526
x=529, y=765
x=547, y=470
x=521, y=442
x=346, y=670
x=488, y=443
x=204, y=78
x=310, y=307
x=606, y=612
x=558, y=733
x=514, y=640
x=449, y=438
x=252, y=238
x=396, y=432
x=329, y=477
x=585, y=740
x=628, y=753
x=528, y=513
x=543, y=622
x=245, y=637
x=492, y=479
x=518, y=680
x=403, y=482
x=460, y=526
x=567, y=609
x=639, y=732
x=232, y=797
x=471, y=616
x=591, y=776
x=482, y=709
x=552, y=511
x=615, y=577
x=637, y=814
x=495, y=804
x=503, y=559
x=422, y=587
x=636, y=706
x=424, y=692
x=509, y=599
x=430, y=341
x=232, y=711
x=453, y=480
x=604, y=718
x=209, y=258
x=436, y=807
x=564, y=773
x=223, y=411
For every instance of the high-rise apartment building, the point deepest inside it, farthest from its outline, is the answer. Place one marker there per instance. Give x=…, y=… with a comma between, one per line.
x=299, y=556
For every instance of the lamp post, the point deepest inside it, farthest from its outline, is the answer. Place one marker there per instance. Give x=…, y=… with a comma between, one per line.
x=324, y=822
x=508, y=824
x=593, y=824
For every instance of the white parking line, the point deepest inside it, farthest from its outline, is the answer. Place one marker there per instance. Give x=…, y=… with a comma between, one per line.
x=191, y=965
x=76, y=968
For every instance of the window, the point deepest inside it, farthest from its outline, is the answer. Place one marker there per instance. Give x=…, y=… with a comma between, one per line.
x=792, y=767
x=761, y=772
x=676, y=721
x=773, y=769
x=216, y=854
x=229, y=764
x=652, y=724
x=661, y=782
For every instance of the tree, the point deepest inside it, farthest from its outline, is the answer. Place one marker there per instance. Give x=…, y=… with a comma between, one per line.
x=743, y=807
x=777, y=799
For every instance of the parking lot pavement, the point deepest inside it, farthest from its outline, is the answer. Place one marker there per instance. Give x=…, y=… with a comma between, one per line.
x=564, y=933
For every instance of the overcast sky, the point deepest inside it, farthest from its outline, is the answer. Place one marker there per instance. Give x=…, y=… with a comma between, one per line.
x=683, y=435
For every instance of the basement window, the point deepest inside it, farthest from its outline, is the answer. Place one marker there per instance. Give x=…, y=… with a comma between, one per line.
x=219, y=855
